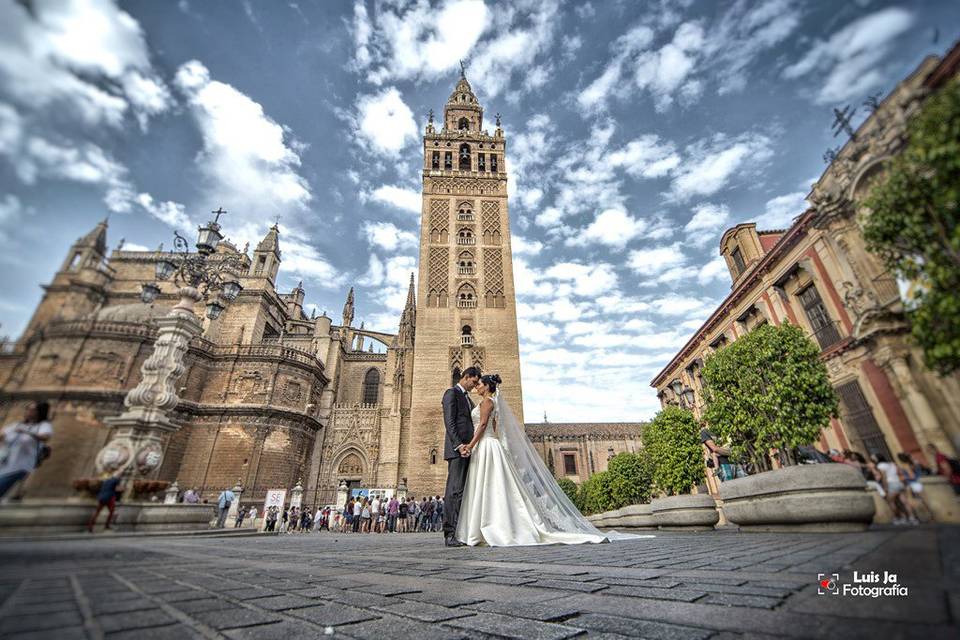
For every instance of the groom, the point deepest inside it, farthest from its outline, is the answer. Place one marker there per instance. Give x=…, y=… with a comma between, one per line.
x=459, y=427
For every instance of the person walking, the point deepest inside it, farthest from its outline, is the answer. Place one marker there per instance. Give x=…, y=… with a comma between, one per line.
x=944, y=465
x=438, y=514
x=348, y=517
x=241, y=514
x=252, y=515
x=894, y=488
x=283, y=519
x=306, y=521
x=191, y=496
x=357, y=514
x=375, y=513
x=910, y=473
x=23, y=445
x=223, y=506
x=402, y=516
x=393, y=512
x=365, y=516
x=106, y=497
x=271, y=519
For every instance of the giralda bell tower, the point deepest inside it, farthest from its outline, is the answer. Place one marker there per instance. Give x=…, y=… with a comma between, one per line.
x=466, y=311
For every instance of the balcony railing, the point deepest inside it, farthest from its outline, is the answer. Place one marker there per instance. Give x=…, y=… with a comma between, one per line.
x=465, y=217
x=828, y=335
x=466, y=271
x=470, y=240
x=466, y=341
x=467, y=304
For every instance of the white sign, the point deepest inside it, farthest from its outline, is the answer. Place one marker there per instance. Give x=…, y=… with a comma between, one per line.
x=275, y=498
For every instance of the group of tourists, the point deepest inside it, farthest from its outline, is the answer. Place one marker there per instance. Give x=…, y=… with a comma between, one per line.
x=373, y=515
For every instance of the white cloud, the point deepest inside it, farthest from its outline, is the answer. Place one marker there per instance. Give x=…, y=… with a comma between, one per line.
x=387, y=236
x=385, y=122
x=714, y=271
x=656, y=261
x=646, y=157
x=781, y=211
x=851, y=58
x=710, y=165
x=664, y=71
x=171, y=213
x=612, y=227
x=536, y=332
x=248, y=159
x=707, y=220
x=587, y=279
x=86, y=59
x=304, y=262
x=396, y=196
x=522, y=246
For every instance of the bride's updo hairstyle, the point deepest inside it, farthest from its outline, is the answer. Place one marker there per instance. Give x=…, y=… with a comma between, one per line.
x=491, y=380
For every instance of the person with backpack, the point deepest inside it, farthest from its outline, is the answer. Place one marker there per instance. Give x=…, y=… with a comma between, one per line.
x=945, y=466
x=23, y=445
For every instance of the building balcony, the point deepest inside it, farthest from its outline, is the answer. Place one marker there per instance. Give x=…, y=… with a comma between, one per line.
x=466, y=341
x=468, y=241
x=467, y=304
x=465, y=217
x=466, y=271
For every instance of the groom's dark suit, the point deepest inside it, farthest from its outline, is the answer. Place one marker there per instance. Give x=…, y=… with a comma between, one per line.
x=459, y=427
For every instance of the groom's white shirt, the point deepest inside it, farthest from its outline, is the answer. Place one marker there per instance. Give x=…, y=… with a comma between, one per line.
x=464, y=391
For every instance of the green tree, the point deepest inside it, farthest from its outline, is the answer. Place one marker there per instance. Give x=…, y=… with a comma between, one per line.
x=768, y=389
x=673, y=443
x=596, y=494
x=570, y=488
x=911, y=222
x=631, y=475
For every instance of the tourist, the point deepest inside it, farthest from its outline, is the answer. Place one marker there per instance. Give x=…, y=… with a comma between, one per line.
x=191, y=496
x=252, y=515
x=945, y=466
x=910, y=473
x=393, y=512
x=348, y=516
x=365, y=516
x=22, y=445
x=723, y=468
x=894, y=487
x=306, y=521
x=426, y=513
x=412, y=511
x=106, y=497
x=241, y=514
x=293, y=521
x=283, y=519
x=271, y=522
x=401, y=520
x=438, y=514
x=375, y=513
x=223, y=506
x=357, y=513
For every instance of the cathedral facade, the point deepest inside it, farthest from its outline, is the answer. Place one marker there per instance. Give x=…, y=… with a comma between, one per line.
x=271, y=397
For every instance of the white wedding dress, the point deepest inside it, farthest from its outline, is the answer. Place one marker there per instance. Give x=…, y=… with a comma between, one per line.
x=510, y=498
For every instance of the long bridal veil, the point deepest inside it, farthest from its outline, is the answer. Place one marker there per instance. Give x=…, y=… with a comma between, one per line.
x=552, y=504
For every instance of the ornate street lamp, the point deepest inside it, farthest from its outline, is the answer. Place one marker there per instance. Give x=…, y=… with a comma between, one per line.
x=689, y=397
x=137, y=436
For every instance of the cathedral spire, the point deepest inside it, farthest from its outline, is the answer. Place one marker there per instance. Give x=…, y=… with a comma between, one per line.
x=348, y=309
x=96, y=238
x=463, y=111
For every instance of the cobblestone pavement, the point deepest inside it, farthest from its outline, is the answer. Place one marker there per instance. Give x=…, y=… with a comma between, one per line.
x=676, y=586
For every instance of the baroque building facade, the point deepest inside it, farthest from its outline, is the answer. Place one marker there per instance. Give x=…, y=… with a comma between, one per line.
x=271, y=397
x=819, y=275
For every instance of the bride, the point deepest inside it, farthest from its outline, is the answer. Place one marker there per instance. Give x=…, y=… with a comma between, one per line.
x=510, y=498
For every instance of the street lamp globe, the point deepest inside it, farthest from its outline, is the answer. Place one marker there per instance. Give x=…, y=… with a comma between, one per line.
x=208, y=237
x=149, y=292
x=214, y=309
x=165, y=268
x=231, y=289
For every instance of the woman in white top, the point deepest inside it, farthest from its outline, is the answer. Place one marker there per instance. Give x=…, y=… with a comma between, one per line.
x=20, y=445
x=893, y=484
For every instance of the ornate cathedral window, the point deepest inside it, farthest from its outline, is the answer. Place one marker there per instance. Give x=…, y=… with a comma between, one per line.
x=463, y=124
x=371, y=387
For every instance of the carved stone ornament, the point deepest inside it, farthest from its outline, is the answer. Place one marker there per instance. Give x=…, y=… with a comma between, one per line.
x=149, y=457
x=116, y=455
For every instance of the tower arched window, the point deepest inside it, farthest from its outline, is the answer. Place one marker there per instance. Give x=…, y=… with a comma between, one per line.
x=466, y=297
x=433, y=456
x=463, y=124
x=464, y=156
x=465, y=236
x=371, y=387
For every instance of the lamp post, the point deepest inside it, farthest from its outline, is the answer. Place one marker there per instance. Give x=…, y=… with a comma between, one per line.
x=136, y=441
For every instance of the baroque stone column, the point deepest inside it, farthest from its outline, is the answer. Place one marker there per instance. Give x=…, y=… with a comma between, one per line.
x=927, y=427
x=137, y=435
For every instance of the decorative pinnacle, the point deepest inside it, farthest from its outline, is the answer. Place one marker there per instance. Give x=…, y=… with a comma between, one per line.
x=219, y=212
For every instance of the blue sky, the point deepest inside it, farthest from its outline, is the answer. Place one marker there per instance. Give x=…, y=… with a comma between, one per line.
x=637, y=132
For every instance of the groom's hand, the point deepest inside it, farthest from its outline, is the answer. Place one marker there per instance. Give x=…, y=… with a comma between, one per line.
x=464, y=451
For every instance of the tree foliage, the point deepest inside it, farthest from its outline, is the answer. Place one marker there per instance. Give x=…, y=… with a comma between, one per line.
x=768, y=389
x=672, y=441
x=631, y=477
x=912, y=224
x=596, y=494
x=570, y=488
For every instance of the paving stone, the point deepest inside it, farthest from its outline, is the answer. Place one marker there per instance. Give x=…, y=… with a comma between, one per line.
x=739, y=600
x=139, y=620
x=181, y=596
x=119, y=606
x=280, y=603
x=234, y=618
x=332, y=614
x=360, y=599
x=36, y=621
x=53, y=607
x=385, y=589
x=63, y=633
x=685, y=595
x=423, y=611
x=169, y=632
x=543, y=611
x=251, y=593
x=511, y=580
x=512, y=627
x=637, y=628
x=203, y=604
x=393, y=627
x=442, y=598
x=285, y=630
x=569, y=585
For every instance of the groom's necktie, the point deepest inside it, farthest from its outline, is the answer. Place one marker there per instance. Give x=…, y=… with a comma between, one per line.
x=467, y=396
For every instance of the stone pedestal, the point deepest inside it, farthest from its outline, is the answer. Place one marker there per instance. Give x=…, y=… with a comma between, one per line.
x=235, y=505
x=296, y=496
x=343, y=492
x=402, y=490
